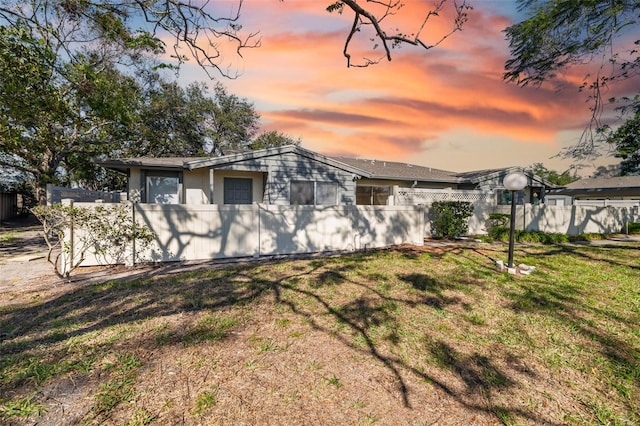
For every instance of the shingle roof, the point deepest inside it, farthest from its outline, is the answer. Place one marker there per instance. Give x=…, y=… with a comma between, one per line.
x=623, y=186
x=402, y=171
x=606, y=183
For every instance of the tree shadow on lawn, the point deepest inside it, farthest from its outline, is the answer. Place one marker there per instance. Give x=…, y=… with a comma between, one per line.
x=570, y=303
x=629, y=258
x=34, y=331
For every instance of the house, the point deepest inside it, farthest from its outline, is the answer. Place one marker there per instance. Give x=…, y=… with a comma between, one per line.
x=279, y=175
x=384, y=176
x=617, y=189
x=290, y=175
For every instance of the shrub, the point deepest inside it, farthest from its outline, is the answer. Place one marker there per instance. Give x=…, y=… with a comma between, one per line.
x=531, y=237
x=633, y=227
x=106, y=230
x=450, y=218
x=501, y=233
x=589, y=236
x=498, y=219
x=555, y=238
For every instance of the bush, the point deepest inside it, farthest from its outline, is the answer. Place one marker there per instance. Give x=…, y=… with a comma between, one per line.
x=105, y=230
x=501, y=233
x=498, y=219
x=450, y=218
x=589, y=236
x=633, y=227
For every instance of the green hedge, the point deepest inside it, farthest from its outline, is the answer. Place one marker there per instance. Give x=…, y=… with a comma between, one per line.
x=501, y=233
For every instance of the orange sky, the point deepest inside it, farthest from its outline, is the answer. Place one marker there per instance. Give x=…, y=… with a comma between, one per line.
x=446, y=108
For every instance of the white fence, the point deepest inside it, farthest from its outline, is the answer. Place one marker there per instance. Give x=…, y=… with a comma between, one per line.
x=199, y=232
x=573, y=220
x=607, y=203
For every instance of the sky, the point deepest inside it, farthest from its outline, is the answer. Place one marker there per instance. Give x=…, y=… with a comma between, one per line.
x=447, y=107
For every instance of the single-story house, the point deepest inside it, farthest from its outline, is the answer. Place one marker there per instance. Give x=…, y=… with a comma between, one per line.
x=596, y=189
x=294, y=175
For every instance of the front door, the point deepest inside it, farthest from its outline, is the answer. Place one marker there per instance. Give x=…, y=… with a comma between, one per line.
x=238, y=191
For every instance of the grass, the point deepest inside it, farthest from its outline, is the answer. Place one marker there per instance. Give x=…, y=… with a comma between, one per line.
x=407, y=336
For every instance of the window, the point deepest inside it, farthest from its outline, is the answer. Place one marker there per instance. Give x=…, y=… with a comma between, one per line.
x=313, y=193
x=163, y=187
x=372, y=195
x=326, y=193
x=302, y=193
x=504, y=197
x=238, y=191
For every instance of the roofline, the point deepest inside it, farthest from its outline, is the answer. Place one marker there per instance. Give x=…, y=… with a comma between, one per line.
x=122, y=166
x=534, y=177
x=214, y=162
x=572, y=191
x=412, y=179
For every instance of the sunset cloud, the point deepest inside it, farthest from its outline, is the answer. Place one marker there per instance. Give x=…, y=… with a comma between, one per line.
x=434, y=106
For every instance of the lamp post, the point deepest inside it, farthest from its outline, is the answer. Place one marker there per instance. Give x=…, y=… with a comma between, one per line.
x=514, y=181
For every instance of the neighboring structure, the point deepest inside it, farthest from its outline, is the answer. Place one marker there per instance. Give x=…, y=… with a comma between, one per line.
x=55, y=195
x=291, y=175
x=608, y=191
x=8, y=205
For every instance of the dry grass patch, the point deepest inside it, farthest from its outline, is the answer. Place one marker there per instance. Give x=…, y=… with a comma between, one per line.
x=402, y=336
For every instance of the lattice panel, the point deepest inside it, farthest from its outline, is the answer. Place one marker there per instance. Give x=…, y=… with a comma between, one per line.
x=426, y=196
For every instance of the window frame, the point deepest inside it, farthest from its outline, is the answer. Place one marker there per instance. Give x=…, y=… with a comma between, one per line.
x=149, y=174
x=372, y=194
x=314, y=192
x=234, y=178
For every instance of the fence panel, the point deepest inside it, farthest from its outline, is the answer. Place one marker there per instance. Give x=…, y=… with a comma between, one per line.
x=572, y=220
x=200, y=232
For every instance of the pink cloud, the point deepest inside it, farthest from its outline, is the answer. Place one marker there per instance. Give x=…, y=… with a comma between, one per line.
x=300, y=84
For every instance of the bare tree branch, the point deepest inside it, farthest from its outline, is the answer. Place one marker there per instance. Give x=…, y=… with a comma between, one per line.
x=366, y=16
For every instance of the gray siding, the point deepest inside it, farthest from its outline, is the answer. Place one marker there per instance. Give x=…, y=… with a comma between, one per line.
x=284, y=168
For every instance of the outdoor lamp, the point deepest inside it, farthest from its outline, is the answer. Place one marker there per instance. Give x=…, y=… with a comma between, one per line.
x=514, y=181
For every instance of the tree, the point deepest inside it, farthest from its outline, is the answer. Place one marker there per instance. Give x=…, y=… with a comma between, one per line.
x=199, y=31
x=560, y=179
x=55, y=118
x=558, y=35
x=368, y=21
x=273, y=138
x=233, y=124
x=626, y=140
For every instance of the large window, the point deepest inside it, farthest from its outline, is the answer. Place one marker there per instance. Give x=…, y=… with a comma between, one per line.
x=238, y=191
x=163, y=187
x=372, y=195
x=313, y=193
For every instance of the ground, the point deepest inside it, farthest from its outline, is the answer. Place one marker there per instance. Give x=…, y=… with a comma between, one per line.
x=443, y=339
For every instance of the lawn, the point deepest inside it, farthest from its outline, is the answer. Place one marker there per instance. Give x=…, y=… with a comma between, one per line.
x=408, y=336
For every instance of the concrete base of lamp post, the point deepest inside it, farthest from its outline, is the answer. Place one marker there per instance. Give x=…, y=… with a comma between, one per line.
x=521, y=269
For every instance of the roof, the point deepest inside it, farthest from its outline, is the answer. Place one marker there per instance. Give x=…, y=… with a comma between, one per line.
x=401, y=171
x=476, y=176
x=191, y=163
x=617, y=186
x=122, y=164
x=367, y=168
